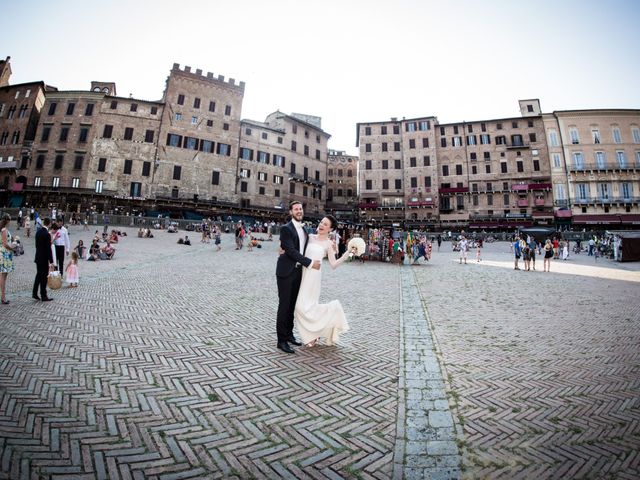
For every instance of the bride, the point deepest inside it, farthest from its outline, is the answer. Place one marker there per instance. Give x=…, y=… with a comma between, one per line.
x=313, y=319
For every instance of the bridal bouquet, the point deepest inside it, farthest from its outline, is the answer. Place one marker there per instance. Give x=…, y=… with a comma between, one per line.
x=356, y=247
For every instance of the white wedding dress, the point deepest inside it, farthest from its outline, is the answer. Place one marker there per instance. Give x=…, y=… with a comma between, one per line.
x=313, y=319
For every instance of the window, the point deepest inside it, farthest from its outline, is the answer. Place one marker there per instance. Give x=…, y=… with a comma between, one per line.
x=396, y=129
x=70, y=108
x=443, y=142
x=600, y=162
x=56, y=182
x=146, y=169
x=306, y=150
x=177, y=172
x=427, y=182
x=133, y=107
x=505, y=199
x=209, y=123
x=385, y=184
x=595, y=135
x=396, y=146
x=426, y=161
x=384, y=146
x=84, y=133
x=317, y=154
x=64, y=134
x=190, y=143
x=367, y=130
x=148, y=136
x=194, y=120
x=75, y=183
x=37, y=181
x=40, y=162
x=532, y=137
x=385, y=164
x=175, y=192
x=414, y=182
x=425, y=142
x=135, y=190
x=263, y=157
x=305, y=191
x=178, y=117
x=536, y=165
x=625, y=190
x=127, y=167
x=638, y=158
x=77, y=165
x=578, y=160
x=293, y=168
x=514, y=124
x=108, y=131
x=474, y=169
x=397, y=164
x=113, y=106
x=278, y=179
x=471, y=139
x=262, y=176
x=520, y=166
x=410, y=127
x=292, y=188
x=457, y=141
x=227, y=110
x=278, y=160
x=196, y=103
x=503, y=167
x=23, y=111
x=174, y=140
x=485, y=139
x=368, y=184
x=458, y=169
x=445, y=170
x=560, y=192
x=246, y=153
x=154, y=110
x=52, y=108
x=180, y=99
x=102, y=164
x=635, y=133
x=617, y=138
x=212, y=106
x=99, y=186
x=473, y=156
x=224, y=149
x=294, y=145
x=573, y=135
x=412, y=143
x=367, y=165
x=225, y=126
x=487, y=168
x=245, y=173
x=215, y=178
x=501, y=140
x=46, y=131
x=582, y=191
x=621, y=158
x=398, y=183
x=556, y=160
x=489, y=199
x=383, y=130
x=425, y=125
x=412, y=162
x=128, y=133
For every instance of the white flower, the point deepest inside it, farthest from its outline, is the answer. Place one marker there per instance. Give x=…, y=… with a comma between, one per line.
x=356, y=246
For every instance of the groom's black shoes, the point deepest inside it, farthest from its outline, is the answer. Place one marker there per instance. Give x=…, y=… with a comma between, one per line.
x=293, y=341
x=284, y=346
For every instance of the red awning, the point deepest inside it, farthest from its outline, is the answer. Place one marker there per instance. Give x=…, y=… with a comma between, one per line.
x=596, y=219
x=630, y=219
x=563, y=213
x=542, y=214
x=17, y=187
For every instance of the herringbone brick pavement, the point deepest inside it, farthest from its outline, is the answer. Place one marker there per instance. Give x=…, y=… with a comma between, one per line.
x=162, y=364
x=544, y=368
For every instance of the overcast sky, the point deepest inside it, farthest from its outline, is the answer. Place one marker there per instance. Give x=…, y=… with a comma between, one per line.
x=346, y=61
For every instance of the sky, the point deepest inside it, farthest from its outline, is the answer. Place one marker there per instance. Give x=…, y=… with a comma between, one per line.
x=346, y=61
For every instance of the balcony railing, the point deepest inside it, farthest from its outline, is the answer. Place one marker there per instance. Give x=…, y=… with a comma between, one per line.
x=8, y=165
x=539, y=202
x=454, y=190
x=368, y=205
x=518, y=187
x=603, y=166
x=561, y=203
x=301, y=178
x=523, y=202
x=606, y=200
x=517, y=145
x=420, y=203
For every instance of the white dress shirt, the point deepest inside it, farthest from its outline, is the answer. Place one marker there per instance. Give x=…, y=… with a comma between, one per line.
x=301, y=236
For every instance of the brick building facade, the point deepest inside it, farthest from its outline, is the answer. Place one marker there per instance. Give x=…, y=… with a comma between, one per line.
x=342, y=184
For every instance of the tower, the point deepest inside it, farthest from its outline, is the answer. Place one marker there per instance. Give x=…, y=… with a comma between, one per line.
x=5, y=72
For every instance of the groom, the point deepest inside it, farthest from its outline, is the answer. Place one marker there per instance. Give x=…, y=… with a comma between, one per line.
x=293, y=240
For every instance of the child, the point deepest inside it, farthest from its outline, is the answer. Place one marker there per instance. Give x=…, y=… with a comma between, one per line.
x=72, y=270
x=478, y=253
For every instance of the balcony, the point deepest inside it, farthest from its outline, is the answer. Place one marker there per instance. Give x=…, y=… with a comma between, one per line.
x=604, y=167
x=523, y=202
x=606, y=200
x=520, y=187
x=517, y=145
x=539, y=202
x=454, y=190
x=295, y=177
x=561, y=203
x=8, y=165
x=420, y=203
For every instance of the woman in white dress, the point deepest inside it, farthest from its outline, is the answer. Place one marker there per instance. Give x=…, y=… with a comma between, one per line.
x=319, y=320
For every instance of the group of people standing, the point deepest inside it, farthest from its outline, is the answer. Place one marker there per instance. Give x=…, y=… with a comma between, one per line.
x=526, y=247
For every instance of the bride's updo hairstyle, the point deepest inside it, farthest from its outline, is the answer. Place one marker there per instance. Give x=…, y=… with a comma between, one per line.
x=334, y=222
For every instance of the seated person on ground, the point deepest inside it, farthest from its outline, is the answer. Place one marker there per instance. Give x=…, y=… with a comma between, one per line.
x=108, y=250
x=80, y=249
x=113, y=238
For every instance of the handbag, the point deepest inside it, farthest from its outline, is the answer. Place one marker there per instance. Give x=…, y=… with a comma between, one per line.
x=54, y=280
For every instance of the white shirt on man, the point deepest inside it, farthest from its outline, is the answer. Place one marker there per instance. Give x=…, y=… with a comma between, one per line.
x=301, y=236
x=63, y=239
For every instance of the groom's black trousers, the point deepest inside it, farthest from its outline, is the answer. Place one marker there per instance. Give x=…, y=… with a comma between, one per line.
x=288, y=288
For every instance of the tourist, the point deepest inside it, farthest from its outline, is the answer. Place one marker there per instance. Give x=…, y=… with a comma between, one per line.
x=517, y=252
x=72, y=271
x=80, y=249
x=548, y=253
x=6, y=256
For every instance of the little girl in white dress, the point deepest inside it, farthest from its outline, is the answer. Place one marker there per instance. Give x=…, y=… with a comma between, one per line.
x=319, y=320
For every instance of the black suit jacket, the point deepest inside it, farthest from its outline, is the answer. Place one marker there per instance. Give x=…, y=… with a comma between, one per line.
x=44, y=256
x=289, y=242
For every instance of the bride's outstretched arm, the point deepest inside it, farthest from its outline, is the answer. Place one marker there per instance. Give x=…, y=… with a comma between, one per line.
x=331, y=255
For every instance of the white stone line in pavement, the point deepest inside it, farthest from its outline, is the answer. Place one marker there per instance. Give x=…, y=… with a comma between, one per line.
x=566, y=268
x=428, y=447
